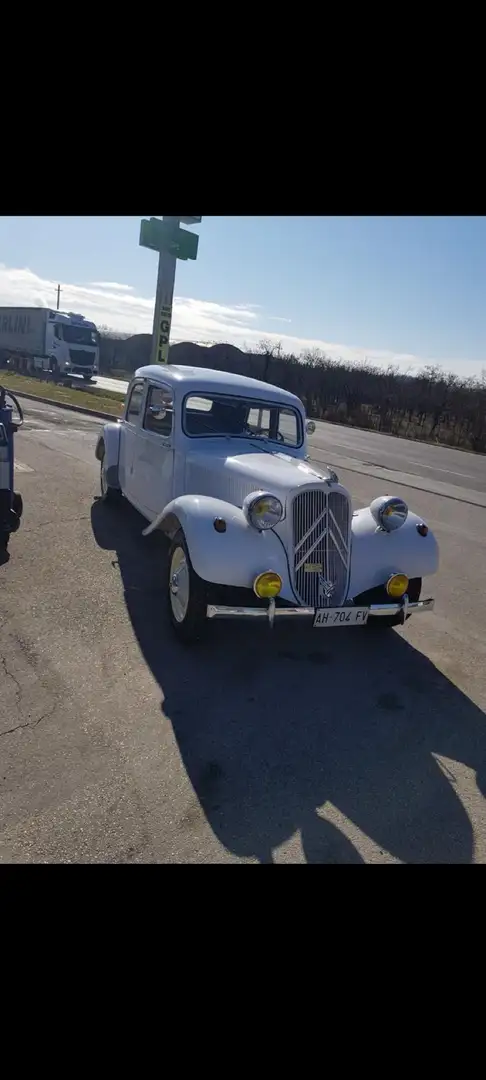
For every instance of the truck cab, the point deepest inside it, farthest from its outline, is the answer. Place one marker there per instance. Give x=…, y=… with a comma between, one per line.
x=72, y=343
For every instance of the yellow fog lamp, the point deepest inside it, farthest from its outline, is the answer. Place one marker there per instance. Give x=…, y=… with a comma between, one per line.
x=397, y=586
x=267, y=585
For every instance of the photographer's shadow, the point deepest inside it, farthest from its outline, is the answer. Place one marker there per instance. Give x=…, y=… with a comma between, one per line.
x=273, y=725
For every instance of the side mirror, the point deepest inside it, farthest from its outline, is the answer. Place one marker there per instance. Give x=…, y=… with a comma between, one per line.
x=158, y=412
x=310, y=427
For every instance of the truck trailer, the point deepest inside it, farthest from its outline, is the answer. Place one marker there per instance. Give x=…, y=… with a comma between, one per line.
x=37, y=341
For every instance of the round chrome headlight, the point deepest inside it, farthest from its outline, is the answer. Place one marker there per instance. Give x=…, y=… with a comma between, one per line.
x=262, y=510
x=389, y=512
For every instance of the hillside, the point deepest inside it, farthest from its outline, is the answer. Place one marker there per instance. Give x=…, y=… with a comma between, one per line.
x=130, y=353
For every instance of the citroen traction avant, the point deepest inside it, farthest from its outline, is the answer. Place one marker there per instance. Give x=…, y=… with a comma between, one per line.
x=219, y=462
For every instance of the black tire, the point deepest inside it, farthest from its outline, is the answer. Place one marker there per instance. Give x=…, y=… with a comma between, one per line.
x=107, y=494
x=190, y=626
x=17, y=504
x=387, y=622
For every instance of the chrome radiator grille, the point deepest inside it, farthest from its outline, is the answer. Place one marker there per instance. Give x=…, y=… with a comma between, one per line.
x=321, y=521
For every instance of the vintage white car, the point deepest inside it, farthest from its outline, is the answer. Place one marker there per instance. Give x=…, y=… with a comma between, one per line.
x=220, y=464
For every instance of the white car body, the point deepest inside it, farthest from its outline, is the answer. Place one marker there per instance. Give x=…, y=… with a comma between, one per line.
x=184, y=479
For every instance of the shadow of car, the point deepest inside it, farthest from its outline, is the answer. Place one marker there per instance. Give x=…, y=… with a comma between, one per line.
x=272, y=725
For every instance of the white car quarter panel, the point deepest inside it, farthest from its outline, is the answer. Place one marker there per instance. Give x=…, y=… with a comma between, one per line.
x=375, y=555
x=234, y=557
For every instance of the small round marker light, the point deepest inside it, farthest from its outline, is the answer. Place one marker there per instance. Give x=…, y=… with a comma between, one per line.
x=397, y=586
x=267, y=585
x=219, y=525
x=422, y=529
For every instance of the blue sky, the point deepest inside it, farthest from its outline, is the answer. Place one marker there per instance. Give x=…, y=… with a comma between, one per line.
x=409, y=290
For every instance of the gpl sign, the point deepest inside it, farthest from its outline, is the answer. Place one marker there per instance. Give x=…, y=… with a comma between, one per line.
x=163, y=336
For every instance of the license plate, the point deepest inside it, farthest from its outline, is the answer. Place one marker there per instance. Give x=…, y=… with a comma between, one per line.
x=341, y=616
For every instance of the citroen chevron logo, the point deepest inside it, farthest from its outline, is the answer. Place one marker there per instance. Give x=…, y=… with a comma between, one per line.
x=326, y=588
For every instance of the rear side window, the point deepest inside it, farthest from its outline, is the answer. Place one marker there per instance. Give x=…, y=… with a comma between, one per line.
x=135, y=402
x=159, y=411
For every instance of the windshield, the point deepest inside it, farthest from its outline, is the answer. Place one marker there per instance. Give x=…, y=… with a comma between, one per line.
x=208, y=414
x=79, y=335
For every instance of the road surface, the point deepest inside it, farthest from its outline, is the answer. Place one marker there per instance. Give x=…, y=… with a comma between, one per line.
x=118, y=745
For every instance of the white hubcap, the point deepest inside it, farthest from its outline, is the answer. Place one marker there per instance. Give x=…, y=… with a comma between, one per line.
x=179, y=585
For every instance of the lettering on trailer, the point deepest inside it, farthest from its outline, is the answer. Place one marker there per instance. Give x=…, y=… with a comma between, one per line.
x=16, y=324
x=164, y=334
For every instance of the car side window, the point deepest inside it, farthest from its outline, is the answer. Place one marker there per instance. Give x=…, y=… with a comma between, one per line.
x=159, y=411
x=259, y=421
x=288, y=430
x=135, y=402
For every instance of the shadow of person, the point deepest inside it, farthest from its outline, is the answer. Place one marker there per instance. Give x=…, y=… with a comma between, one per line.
x=273, y=727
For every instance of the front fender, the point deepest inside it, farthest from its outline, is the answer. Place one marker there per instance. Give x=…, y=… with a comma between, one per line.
x=234, y=557
x=375, y=555
x=109, y=438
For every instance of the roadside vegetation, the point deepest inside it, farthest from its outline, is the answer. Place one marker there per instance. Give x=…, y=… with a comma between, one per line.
x=87, y=397
x=432, y=406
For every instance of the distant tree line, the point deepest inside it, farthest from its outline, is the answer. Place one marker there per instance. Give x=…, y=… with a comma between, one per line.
x=433, y=405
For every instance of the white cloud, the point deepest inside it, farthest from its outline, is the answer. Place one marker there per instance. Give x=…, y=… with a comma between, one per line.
x=115, y=285
x=112, y=304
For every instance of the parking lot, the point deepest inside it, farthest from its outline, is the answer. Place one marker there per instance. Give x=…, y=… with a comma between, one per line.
x=119, y=745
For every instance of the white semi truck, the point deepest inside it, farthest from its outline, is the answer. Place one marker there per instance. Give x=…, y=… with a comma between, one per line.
x=39, y=340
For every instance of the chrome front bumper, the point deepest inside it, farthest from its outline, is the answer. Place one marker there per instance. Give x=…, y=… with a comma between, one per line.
x=405, y=607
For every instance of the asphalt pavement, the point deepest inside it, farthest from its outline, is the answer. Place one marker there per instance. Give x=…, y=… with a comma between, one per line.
x=119, y=745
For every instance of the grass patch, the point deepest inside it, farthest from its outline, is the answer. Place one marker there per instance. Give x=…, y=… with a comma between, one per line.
x=93, y=398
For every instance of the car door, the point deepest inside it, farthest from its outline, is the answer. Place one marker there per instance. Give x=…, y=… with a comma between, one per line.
x=130, y=432
x=154, y=462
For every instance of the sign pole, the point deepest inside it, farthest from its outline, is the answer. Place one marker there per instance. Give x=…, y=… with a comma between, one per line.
x=164, y=297
x=171, y=242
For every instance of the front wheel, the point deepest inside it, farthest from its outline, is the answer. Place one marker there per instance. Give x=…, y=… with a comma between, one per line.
x=107, y=493
x=187, y=593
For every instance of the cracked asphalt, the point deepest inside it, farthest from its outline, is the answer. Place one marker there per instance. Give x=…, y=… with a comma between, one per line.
x=118, y=745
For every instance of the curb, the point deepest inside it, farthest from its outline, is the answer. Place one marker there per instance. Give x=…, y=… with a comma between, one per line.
x=67, y=405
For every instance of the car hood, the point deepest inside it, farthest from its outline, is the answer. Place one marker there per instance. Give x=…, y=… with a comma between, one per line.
x=233, y=476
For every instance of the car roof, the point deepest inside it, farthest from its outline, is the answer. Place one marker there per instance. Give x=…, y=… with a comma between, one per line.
x=216, y=382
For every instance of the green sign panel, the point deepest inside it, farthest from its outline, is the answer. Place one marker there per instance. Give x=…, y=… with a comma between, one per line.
x=184, y=244
x=167, y=236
